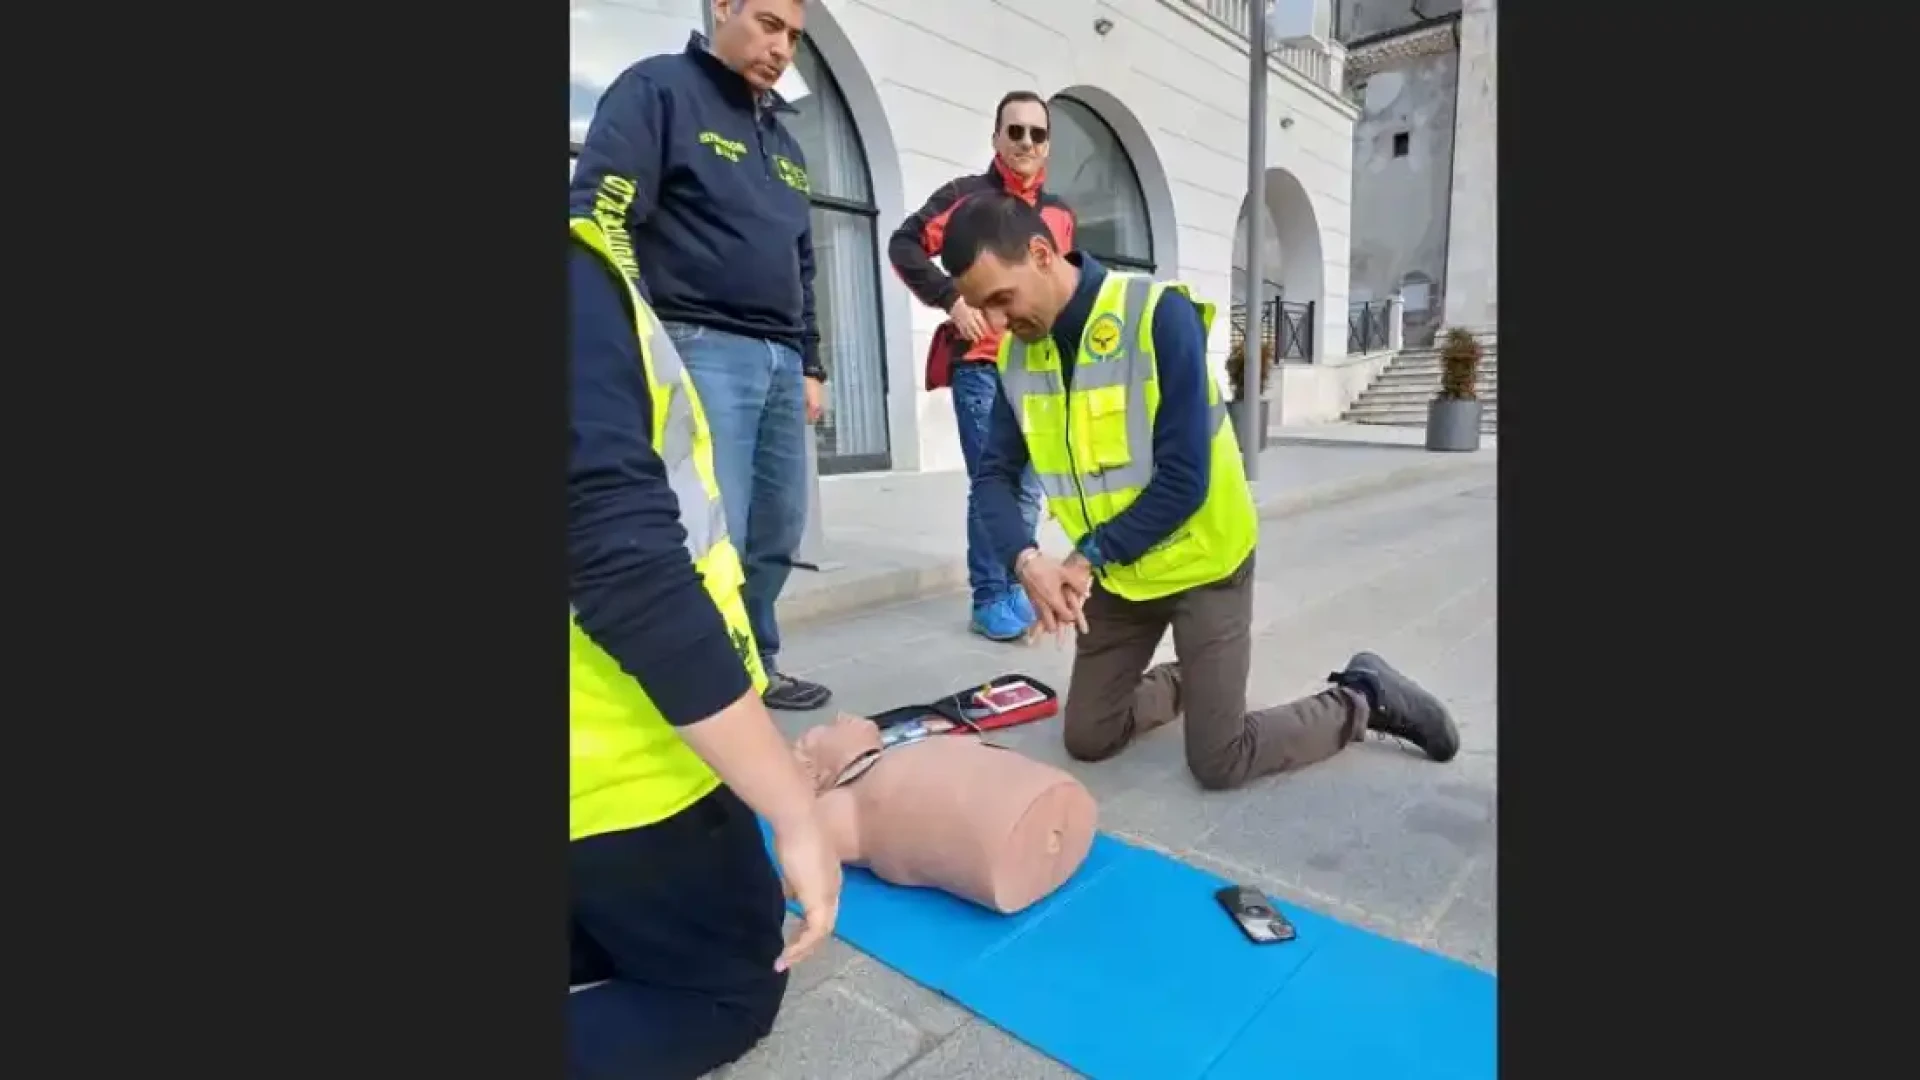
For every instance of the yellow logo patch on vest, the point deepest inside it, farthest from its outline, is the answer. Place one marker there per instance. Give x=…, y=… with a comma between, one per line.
x=794, y=176
x=1103, y=337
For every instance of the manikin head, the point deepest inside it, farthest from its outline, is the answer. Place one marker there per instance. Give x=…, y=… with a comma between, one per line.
x=1021, y=126
x=757, y=38
x=1001, y=255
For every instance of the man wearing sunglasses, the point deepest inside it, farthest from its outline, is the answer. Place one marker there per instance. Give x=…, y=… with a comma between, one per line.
x=965, y=345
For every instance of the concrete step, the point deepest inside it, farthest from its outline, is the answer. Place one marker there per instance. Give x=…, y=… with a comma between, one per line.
x=1486, y=346
x=1397, y=411
x=1487, y=427
x=1399, y=395
x=1431, y=376
x=1429, y=369
x=1394, y=377
x=1422, y=396
x=1404, y=412
x=1434, y=350
x=1377, y=394
x=1408, y=361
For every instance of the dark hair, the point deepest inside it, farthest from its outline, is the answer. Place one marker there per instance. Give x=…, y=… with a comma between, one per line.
x=1000, y=110
x=991, y=221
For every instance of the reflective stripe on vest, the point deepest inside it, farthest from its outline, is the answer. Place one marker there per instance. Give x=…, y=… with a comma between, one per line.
x=701, y=511
x=627, y=766
x=1091, y=447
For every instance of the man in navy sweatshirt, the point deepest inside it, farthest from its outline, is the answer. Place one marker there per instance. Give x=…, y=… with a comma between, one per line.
x=1004, y=260
x=686, y=161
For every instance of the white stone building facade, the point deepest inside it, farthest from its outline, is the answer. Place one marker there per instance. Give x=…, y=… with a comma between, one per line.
x=1425, y=169
x=1150, y=109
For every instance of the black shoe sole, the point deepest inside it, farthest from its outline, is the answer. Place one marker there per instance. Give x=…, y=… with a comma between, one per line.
x=798, y=700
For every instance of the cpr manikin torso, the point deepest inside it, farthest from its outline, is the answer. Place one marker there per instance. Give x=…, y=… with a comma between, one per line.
x=947, y=811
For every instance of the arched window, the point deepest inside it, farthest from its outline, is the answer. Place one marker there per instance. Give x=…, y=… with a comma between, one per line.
x=608, y=36
x=846, y=282
x=1092, y=172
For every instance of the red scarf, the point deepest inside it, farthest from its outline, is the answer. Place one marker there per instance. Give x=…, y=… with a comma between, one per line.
x=1016, y=184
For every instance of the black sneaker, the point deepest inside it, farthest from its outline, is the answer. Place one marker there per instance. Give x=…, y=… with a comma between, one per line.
x=1401, y=707
x=794, y=695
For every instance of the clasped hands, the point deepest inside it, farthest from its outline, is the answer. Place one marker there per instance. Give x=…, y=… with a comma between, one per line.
x=1058, y=589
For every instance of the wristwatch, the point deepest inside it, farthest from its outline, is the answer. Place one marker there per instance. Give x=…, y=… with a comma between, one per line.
x=1089, y=549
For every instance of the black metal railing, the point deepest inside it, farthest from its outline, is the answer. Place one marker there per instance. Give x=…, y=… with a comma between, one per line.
x=1367, y=326
x=1286, y=328
x=1237, y=325
x=1295, y=328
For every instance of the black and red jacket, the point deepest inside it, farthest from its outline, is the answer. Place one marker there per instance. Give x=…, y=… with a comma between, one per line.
x=917, y=242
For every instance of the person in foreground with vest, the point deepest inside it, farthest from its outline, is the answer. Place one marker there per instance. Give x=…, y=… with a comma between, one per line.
x=675, y=914
x=964, y=347
x=1105, y=391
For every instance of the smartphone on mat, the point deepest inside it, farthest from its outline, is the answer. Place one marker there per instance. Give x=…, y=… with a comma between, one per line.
x=1255, y=914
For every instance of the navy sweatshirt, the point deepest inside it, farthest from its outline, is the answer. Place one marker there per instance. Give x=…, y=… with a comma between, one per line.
x=627, y=558
x=717, y=207
x=1182, y=439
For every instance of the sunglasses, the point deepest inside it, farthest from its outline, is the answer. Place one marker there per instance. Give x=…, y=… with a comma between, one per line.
x=1019, y=132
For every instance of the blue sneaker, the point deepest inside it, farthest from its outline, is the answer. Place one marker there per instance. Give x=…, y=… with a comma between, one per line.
x=1022, y=607
x=997, y=621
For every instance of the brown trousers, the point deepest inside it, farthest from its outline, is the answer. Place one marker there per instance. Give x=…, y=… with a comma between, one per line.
x=1109, y=702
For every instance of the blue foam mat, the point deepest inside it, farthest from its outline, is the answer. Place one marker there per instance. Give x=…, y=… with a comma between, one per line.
x=1131, y=970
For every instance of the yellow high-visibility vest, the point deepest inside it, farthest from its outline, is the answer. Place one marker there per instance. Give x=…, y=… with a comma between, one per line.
x=1092, y=446
x=627, y=767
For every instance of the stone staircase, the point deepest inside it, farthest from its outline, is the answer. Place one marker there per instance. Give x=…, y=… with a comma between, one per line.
x=1398, y=396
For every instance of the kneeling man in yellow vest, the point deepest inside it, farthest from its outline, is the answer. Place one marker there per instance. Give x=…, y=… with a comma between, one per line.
x=1104, y=389
x=677, y=957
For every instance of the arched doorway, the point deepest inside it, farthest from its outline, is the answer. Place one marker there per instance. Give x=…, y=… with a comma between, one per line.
x=846, y=258
x=1293, y=291
x=1093, y=172
x=608, y=36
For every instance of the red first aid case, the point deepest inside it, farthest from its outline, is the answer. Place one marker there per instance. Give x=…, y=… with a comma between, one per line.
x=1006, y=701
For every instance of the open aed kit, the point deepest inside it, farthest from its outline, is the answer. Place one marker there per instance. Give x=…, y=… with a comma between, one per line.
x=1006, y=701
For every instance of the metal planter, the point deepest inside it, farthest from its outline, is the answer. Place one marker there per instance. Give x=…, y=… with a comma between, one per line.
x=1453, y=424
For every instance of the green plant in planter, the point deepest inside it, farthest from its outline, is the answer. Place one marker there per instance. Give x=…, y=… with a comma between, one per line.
x=1236, y=365
x=1459, y=366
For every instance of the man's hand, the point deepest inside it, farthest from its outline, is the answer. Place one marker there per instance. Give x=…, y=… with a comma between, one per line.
x=1054, y=601
x=971, y=324
x=816, y=400
x=1077, y=574
x=752, y=757
x=810, y=871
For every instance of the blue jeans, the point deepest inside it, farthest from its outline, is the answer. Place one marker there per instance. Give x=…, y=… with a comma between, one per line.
x=756, y=406
x=974, y=387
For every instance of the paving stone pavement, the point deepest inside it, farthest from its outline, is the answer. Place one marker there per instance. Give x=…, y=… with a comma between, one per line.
x=1378, y=836
x=894, y=537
